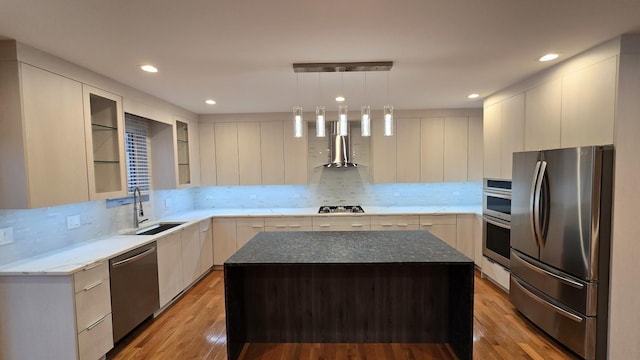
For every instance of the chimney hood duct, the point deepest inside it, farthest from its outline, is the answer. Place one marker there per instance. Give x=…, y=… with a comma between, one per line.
x=339, y=150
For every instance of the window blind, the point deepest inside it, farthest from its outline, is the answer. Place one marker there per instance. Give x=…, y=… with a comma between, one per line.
x=137, y=153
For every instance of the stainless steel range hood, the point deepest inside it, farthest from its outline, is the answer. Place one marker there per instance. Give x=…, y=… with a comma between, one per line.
x=339, y=150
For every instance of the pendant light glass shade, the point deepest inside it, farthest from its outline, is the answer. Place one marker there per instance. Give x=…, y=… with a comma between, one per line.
x=320, y=122
x=365, y=121
x=388, y=120
x=343, y=123
x=298, y=128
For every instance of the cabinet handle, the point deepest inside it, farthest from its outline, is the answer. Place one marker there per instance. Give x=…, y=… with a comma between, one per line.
x=325, y=225
x=281, y=226
x=356, y=225
x=387, y=224
x=403, y=225
x=428, y=224
x=98, y=322
x=96, y=284
x=256, y=226
x=92, y=266
x=294, y=226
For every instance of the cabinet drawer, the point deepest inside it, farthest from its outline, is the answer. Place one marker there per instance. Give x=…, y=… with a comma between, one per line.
x=92, y=303
x=252, y=222
x=280, y=223
x=341, y=223
x=90, y=275
x=96, y=340
x=437, y=219
x=399, y=221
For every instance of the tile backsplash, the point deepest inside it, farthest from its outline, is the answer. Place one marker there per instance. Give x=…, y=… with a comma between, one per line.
x=37, y=231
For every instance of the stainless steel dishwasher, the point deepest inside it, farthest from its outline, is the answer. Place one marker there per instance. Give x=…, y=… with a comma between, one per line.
x=134, y=288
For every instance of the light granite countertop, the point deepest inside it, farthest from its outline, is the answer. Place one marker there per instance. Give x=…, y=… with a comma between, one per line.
x=69, y=260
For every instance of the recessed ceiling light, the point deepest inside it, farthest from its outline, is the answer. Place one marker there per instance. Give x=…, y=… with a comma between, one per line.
x=549, y=57
x=473, y=96
x=210, y=101
x=149, y=68
x=340, y=98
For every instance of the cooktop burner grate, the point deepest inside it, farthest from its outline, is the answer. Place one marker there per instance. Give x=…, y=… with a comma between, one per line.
x=342, y=209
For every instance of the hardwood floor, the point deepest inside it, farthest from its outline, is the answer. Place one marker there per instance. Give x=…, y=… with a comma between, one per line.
x=194, y=328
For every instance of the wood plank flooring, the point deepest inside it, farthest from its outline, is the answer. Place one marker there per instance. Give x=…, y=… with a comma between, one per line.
x=194, y=328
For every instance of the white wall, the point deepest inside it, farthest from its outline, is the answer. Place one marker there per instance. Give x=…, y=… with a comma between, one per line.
x=624, y=337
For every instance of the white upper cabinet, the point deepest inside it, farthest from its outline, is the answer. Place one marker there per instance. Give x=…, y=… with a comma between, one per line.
x=432, y=150
x=492, y=136
x=383, y=154
x=588, y=105
x=475, y=151
x=407, y=154
x=456, y=146
x=512, y=132
x=272, y=152
x=208, y=172
x=104, y=137
x=249, y=159
x=503, y=135
x=296, y=157
x=226, y=150
x=44, y=161
x=542, y=114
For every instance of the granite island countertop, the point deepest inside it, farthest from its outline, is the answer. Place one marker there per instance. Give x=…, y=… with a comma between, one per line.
x=346, y=247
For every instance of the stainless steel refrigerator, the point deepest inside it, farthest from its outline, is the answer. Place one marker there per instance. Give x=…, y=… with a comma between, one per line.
x=560, y=243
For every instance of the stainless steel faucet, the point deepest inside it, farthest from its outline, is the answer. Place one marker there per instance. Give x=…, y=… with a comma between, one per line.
x=137, y=200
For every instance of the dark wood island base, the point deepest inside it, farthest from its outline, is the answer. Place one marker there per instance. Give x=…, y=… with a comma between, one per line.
x=324, y=299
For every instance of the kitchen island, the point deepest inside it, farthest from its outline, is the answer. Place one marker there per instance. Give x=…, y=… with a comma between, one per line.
x=355, y=286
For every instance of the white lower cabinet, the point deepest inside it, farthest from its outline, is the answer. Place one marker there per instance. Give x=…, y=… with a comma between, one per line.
x=190, y=246
x=224, y=239
x=206, y=247
x=442, y=226
x=183, y=256
x=170, y=277
x=56, y=317
x=247, y=228
x=469, y=237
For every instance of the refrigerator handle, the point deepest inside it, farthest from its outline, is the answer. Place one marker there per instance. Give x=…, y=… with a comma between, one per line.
x=537, y=211
x=533, y=200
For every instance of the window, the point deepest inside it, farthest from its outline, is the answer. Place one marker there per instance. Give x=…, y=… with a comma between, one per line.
x=137, y=153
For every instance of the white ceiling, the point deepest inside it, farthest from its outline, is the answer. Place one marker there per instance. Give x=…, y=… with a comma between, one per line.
x=240, y=52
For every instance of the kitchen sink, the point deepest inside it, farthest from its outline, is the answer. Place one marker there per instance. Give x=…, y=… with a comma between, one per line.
x=157, y=228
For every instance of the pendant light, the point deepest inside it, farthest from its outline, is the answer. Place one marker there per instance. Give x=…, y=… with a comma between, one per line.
x=298, y=129
x=320, y=119
x=343, y=121
x=388, y=114
x=365, y=113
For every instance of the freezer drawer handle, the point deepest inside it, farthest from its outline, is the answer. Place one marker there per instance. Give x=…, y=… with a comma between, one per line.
x=557, y=309
x=563, y=280
x=134, y=258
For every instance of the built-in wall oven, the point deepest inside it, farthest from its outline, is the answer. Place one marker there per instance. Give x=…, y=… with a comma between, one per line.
x=496, y=220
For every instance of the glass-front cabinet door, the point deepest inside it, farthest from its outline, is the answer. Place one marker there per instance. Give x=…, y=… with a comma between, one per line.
x=182, y=140
x=104, y=133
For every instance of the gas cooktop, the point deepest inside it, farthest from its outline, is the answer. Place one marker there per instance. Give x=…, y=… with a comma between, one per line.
x=342, y=209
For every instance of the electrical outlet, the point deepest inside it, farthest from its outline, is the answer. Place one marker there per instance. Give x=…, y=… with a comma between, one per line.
x=167, y=203
x=6, y=236
x=73, y=221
